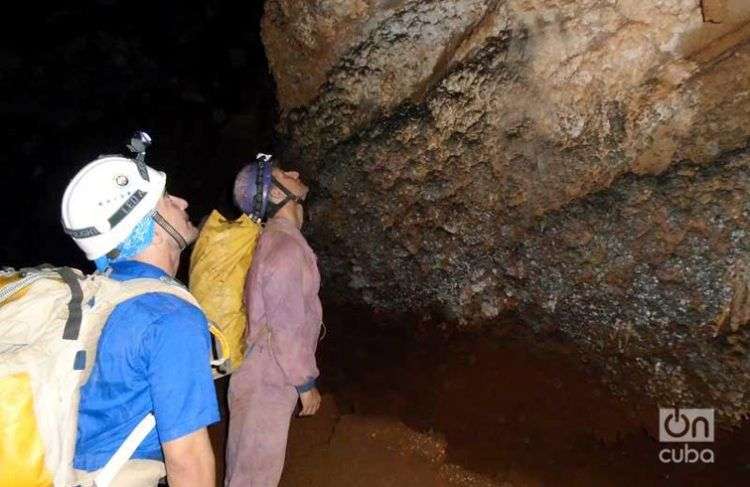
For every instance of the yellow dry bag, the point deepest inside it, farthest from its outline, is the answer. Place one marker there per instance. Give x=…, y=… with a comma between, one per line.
x=218, y=267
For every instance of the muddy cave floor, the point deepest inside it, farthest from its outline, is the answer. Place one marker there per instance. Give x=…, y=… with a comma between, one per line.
x=409, y=406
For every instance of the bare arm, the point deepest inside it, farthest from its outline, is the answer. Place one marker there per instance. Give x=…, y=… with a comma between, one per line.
x=190, y=460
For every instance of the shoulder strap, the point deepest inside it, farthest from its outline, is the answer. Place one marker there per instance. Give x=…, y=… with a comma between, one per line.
x=142, y=285
x=75, y=313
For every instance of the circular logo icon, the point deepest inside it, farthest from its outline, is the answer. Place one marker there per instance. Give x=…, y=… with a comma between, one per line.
x=122, y=180
x=678, y=421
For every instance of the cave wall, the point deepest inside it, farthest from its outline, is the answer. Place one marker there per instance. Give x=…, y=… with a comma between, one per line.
x=583, y=163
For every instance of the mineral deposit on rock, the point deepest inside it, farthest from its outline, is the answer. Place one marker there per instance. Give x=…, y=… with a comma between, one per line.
x=583, y=163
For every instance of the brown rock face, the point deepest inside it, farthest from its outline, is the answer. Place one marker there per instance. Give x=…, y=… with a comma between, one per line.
x=585, y=163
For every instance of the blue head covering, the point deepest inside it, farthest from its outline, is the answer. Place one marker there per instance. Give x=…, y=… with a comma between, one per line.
x=140, y=238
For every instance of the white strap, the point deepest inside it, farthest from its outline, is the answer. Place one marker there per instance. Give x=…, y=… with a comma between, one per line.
x=123, y=454
x=128, y=289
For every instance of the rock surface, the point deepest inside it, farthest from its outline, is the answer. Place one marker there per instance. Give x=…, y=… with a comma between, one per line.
x=585, y=164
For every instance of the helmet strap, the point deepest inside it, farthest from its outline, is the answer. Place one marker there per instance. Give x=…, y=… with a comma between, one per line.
x=258, y=209
x=273, y=208
x=162, y=222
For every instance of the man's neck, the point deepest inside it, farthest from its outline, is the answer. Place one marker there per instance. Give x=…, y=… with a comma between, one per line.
x=289, y=212
x=169, y=262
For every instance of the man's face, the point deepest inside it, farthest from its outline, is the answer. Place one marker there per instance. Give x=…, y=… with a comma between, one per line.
x=173, y=209
x=292, y=182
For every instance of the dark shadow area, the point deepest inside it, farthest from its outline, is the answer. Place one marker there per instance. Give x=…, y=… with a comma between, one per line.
x=508, y=402
x=78, y=79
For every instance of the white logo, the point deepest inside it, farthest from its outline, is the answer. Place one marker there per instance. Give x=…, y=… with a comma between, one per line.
x=686, y=425
x=677, y=425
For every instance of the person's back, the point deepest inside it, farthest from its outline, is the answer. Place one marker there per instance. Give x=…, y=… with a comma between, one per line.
x=150, y=358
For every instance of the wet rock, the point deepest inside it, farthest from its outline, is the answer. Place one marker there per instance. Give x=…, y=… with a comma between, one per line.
x=584, y=163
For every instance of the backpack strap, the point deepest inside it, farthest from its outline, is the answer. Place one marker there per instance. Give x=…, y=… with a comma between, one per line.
x=142, y=285
x=75, y=313
x=125, y=451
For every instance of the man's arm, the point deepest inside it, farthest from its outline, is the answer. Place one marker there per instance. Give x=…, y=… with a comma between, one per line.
x=182, y=391
x=190, y=460
x=292, y=340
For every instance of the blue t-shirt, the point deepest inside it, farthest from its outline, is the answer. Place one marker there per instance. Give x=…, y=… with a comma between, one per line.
x=152, y=357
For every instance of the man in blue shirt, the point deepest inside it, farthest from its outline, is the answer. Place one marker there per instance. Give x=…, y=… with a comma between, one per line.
x=154, y=349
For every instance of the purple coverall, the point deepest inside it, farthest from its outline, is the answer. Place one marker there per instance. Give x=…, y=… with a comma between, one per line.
x=284, y=317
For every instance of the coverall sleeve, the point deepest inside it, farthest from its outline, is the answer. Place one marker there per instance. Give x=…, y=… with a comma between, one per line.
x=179, y=374
x=283, y=296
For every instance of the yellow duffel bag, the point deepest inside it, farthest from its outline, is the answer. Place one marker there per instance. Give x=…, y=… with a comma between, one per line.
x=218, y=267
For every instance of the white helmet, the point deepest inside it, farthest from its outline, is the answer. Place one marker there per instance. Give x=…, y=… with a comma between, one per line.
x=105, y=201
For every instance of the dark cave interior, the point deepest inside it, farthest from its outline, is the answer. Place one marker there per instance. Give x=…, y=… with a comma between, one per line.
x=79, y=79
